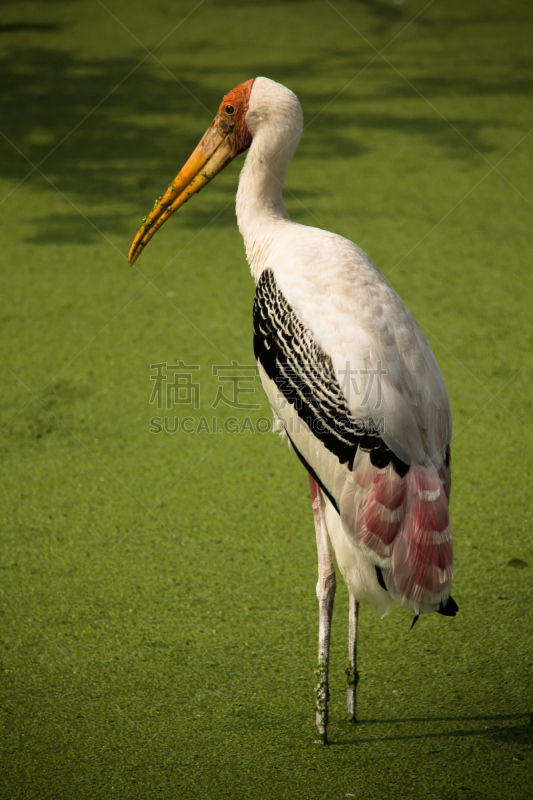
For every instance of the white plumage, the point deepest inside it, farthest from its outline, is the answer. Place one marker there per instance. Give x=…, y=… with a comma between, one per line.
x=348, y=373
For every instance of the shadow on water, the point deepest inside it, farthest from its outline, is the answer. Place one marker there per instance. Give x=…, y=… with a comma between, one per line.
x=495, y=727
x=116, y=131
x=381, y=15
x=16, y=27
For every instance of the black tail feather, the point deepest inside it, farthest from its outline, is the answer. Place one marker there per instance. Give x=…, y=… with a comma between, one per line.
x=381, y=579
x=449, y=608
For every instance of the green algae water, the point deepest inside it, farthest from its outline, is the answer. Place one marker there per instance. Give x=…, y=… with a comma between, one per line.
x=158, y=624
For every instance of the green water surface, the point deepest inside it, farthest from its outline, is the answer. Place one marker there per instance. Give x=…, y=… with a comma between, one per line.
x=158, y=617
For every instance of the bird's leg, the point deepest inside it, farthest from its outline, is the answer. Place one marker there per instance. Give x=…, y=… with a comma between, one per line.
x=351, y=668
x=325, y=592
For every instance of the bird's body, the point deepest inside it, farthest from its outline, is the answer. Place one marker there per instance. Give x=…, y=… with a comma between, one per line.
x=349, y=375
x=352, y=340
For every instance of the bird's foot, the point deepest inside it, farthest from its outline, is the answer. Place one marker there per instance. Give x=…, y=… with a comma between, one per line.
x=322, y=738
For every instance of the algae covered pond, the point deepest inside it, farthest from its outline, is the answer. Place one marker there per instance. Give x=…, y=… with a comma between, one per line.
x=158, y=616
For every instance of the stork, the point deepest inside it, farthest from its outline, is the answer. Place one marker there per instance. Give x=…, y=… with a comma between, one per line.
x=348, y=373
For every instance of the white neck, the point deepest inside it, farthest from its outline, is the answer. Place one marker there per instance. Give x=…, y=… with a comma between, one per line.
x=276, y=124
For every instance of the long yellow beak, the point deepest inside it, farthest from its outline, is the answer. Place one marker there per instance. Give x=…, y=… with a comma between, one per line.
x=215, y=151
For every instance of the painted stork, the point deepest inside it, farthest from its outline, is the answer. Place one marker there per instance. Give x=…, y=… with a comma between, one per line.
x=350, y=377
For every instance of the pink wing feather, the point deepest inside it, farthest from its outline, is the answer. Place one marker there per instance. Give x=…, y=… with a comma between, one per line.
x=403, y=524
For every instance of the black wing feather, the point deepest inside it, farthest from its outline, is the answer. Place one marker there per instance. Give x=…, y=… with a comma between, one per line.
x=306, y=379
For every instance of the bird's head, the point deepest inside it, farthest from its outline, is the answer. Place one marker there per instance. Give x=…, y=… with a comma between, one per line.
x=258, y=109
x=227, y=136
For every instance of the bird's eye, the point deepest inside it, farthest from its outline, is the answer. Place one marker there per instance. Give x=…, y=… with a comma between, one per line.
x=229, y=109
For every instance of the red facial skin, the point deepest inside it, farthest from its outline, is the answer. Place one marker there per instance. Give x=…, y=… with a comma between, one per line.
x=239, y=99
